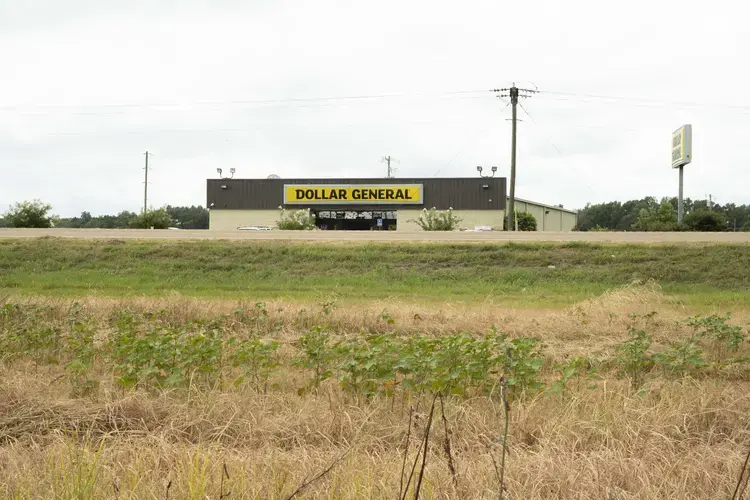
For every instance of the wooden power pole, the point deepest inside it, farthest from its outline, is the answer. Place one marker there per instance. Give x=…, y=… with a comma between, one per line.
x=514, y=93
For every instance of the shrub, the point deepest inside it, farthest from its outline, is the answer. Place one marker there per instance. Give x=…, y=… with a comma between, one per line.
x=437, y=220
x=298, y=220
x=152, y=219
x=526, y=221
x=29, y=214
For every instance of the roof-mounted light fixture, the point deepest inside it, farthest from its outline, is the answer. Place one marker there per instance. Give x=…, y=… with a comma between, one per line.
x=479, y=169
x=231, y=171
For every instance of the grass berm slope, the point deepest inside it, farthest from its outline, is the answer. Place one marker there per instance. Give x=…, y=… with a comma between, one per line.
x=550, y=274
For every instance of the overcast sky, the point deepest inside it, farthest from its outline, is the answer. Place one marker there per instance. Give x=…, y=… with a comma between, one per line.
x=87, y=86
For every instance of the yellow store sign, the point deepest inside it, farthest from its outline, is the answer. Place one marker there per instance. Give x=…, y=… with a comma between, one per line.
x=353, y=194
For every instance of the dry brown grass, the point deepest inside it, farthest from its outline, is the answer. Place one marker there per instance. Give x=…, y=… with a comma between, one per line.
x=682, y=438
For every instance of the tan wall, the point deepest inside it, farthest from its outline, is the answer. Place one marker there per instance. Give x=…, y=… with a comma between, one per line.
x=469, y=219
x=229, y=220
x=555, y=220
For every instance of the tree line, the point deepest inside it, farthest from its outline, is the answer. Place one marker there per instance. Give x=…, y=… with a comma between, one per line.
x=37, y=214
x=647, y=214
x=650, y=214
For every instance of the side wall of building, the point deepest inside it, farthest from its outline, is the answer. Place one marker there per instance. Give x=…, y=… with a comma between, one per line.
x=548, y=218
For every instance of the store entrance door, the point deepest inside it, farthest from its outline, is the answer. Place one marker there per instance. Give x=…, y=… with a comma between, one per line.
x=356, y=220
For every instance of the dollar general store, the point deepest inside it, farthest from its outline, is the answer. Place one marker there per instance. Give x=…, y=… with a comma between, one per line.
x=372, y=204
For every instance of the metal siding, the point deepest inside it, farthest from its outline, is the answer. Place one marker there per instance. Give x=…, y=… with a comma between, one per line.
x=442, y=193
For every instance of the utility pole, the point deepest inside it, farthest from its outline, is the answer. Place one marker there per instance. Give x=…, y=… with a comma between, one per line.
x=391, y=171
x=145, y=185
x=514, y=93
x=710, y=202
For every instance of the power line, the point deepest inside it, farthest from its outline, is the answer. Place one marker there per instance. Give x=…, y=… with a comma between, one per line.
x=322, y=100
x=259, y=128
x=643, y=102
x=581, y=177
x=473, y=138
x=283, y=101
x=185, y=108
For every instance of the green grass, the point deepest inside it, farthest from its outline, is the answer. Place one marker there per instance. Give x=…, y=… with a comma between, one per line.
x=513, y=273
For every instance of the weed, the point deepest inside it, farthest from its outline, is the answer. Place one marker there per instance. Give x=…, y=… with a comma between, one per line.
x=682, y=358
x=328, y=307
x=722, y=339
x=579, y=369
x=257, y=358
x=387, y=318
x=80, y=347
x=368, y=364
x=317, y=356
x=521, y=365
x=632, y=357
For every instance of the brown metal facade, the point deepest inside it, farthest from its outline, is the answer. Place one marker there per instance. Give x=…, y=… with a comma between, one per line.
x=462, y=193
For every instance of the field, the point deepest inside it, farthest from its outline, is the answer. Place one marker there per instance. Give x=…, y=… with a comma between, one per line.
x=272, y=370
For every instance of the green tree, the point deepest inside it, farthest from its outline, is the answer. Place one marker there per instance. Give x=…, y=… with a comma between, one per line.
x=618, y=216
x=603, y=215
x=661, y=218
x=31, y=214
x=191, y=217
x=746, y=227
x=152, y=219
x=76, y=222
x=705, y=221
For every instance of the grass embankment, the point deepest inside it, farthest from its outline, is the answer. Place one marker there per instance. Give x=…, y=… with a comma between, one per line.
x=112, y=386
x=516, y=274
x=176, y=398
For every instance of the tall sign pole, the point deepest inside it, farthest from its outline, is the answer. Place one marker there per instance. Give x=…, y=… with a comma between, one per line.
x=682, y=154
x=680, y=204
x=145, y=186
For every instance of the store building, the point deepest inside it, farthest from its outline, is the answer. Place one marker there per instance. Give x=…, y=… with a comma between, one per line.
x=371, y=204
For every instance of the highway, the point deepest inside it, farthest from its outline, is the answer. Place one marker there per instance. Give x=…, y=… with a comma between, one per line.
x=380, y=236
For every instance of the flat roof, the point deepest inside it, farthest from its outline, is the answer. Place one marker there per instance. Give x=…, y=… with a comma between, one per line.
x=554, y=207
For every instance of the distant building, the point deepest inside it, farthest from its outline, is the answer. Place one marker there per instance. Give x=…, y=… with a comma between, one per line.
x=372, y=204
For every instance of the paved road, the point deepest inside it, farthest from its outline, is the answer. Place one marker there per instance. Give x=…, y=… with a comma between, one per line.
x=384, y=236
